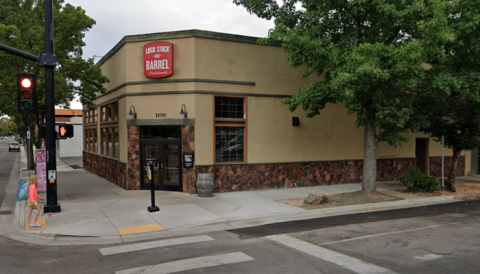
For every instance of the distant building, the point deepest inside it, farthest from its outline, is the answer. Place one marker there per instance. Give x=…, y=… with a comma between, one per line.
x=71, y=147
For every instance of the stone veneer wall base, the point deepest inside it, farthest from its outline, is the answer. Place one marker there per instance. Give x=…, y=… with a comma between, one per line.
x=133, y=154
x=436, y=166
x=107, y=168
x=229, y=178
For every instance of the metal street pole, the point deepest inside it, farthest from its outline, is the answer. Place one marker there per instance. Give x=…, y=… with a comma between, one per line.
x=152, y=208
x=28, y=153
x=443, y=163
x=18, y=52
x=48, y=60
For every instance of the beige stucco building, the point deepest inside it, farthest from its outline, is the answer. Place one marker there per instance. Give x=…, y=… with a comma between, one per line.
x=235, y=126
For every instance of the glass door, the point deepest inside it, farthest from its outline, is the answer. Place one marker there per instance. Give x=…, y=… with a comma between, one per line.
x=167, y=170
x=171, y=165
x=150, y=150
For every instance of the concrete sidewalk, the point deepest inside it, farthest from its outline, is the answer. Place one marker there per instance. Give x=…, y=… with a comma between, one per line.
x=95, y=211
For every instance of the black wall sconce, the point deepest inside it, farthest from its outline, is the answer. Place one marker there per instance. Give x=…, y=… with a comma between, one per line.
x=183, y=111
x=295, y=121
x=132, y=113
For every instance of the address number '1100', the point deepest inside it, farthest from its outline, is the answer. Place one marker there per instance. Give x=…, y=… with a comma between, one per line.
x=160, y=115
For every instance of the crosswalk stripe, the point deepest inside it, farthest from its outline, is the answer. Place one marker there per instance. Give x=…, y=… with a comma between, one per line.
x=429, y=257
x=154, y=244
x=189, y=264
x=347, y=262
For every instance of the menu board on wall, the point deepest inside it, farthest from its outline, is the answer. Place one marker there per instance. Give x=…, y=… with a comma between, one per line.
x=41, y=157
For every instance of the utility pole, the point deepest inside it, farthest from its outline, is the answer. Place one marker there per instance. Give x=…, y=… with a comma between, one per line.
x=48, y=60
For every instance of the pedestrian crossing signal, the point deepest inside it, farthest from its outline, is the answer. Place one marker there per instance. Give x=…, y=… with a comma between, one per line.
x=65, y=131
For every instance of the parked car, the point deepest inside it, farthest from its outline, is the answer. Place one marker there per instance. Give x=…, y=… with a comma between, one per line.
x=14, y=146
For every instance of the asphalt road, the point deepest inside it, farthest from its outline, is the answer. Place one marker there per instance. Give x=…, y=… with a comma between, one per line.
x=435, y=239
x=7, y=159
x=460, y=207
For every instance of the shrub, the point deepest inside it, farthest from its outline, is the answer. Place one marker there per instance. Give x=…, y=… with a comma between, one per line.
x=416, y=181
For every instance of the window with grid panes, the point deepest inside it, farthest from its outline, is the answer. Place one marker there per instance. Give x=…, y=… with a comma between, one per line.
x=109, y=143
x=90, y=131
x=230, y=121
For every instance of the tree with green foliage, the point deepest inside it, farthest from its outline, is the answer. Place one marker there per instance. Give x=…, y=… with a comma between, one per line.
x=450, y=101
x=369, y=55
x=7, y=126
x=3, y=126
x=22, y=27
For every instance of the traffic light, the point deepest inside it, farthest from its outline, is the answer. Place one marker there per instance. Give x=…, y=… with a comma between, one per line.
x=65, y=131
x=26, y=93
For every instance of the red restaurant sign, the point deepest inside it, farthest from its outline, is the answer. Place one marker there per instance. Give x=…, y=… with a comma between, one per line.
x=158, y=59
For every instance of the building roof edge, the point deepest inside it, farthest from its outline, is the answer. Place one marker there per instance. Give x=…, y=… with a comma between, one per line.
x=181, y=34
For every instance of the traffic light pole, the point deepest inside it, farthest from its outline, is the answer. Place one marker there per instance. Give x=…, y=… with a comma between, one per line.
x=48, y=61
x=18, y=52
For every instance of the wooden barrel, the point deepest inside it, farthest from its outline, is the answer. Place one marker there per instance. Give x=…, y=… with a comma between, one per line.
x=205, y=185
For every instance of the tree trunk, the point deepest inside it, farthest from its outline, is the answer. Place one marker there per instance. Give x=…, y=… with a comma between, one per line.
x=450, y=183
x=30, y=152
x=38, y=140
x=369, y=177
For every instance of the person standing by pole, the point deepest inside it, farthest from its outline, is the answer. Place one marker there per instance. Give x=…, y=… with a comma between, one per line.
x=32, y=202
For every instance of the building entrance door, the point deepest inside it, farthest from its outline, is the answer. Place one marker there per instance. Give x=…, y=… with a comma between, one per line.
x=167, y=171
x=422, y=154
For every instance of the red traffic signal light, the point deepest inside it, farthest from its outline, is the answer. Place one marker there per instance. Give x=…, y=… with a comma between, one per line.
x=26, y=93
x=65, y=131
x=26, y=83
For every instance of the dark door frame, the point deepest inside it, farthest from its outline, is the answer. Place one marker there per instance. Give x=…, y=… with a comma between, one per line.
x=161, y=163
x=422, y=154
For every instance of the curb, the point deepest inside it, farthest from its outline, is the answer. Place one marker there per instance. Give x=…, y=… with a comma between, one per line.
x=18, y=188
x=227, y=224
x=335, y=211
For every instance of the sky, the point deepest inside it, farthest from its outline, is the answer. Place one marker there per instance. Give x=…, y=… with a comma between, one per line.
x=118, y=18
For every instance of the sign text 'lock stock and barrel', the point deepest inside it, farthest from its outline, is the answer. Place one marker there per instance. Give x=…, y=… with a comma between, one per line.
x=158, y=59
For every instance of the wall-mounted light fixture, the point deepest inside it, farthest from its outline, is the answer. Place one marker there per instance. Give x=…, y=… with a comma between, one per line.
x=183, y=111
x=132, y=113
